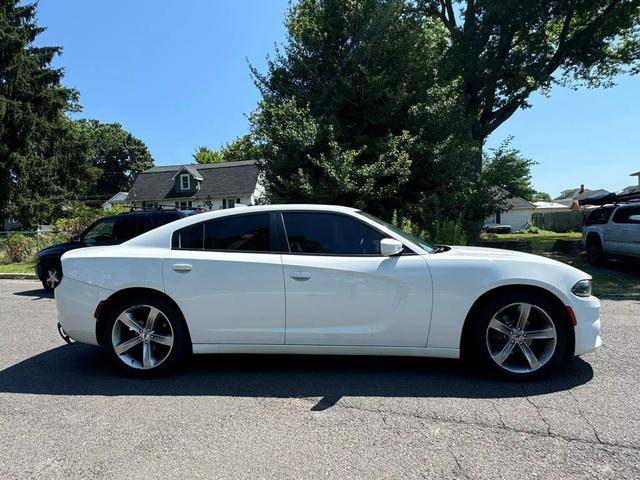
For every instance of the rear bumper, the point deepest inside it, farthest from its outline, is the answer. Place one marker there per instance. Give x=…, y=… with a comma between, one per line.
x=587, y=329
x=76, y=303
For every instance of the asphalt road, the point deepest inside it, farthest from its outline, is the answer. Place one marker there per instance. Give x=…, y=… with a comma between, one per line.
x=66, y=413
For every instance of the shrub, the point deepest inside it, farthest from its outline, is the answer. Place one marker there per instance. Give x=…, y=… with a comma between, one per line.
x=18, y=248
x=449, y=232
x=444, y=232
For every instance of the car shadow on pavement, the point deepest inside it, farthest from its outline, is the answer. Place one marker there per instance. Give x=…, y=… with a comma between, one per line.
x=85, y=370
x=37, y=293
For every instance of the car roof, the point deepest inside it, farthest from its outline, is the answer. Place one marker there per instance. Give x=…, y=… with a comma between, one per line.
x=158, y=237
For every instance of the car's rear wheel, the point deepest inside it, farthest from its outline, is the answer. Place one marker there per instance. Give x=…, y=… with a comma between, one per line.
x=146, y=336
x=52, y=277
x=520, y=335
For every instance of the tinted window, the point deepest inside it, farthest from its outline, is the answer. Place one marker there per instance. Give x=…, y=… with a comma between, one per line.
x=101, y=232
x=329, y=233
x=599, y=216
x=244, y=232
x=189, y=238
x=127, y=227
x=622, y=214
x=159, y=219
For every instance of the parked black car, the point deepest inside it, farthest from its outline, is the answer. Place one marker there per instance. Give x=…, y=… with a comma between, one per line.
x=110, y=230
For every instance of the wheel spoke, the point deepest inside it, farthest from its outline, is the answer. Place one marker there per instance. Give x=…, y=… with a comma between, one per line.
x=543, y=334
x=501, y=356
x=151, y=318
x=128, y=345
x=146, y=355
x=525, y=309
x=129, y=321
x=500, y=327
x=162, y=339
x=529, y=355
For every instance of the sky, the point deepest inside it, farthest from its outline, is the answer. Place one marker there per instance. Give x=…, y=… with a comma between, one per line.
x=176, y=75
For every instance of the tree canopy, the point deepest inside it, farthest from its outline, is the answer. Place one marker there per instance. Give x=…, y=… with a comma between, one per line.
x=40, y=159
x=386, y=105
x=242, y=148
x=116, y=155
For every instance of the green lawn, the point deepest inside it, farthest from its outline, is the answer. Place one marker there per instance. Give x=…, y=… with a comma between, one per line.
x=23, y=267
x=614, y=278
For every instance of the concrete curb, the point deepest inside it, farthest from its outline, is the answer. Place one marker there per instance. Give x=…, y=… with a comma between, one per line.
x=18, y=276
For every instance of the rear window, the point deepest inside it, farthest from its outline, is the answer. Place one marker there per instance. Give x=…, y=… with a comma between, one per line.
x=162, y=218
x=599, y=216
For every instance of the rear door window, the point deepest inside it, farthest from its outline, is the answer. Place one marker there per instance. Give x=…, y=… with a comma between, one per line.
x=250, y=233
x=623, y=213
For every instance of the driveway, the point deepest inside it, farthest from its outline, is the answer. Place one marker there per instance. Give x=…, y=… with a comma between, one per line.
x=66, y=413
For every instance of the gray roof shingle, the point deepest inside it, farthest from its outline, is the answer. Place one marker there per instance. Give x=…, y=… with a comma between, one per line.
x=218, y=180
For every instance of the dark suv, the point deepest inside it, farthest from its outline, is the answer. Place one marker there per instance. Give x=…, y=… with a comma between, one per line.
x=105, y=231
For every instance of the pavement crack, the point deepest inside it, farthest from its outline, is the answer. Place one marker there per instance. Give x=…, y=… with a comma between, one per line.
x=458, y=464
x=440, y=419
x=539, y=412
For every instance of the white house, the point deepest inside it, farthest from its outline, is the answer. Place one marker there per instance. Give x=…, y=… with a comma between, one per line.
x=118, y=199
x=517, y=214
x=211, y=186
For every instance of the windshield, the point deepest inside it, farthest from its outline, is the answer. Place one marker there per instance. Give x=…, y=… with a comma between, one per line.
x=407, y=236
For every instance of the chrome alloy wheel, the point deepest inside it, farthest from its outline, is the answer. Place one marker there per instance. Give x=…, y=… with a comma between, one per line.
x=142, y=337
x=521, y=338
x=53, y=278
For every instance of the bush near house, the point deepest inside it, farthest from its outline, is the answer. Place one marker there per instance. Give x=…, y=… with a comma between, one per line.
x=18, y=248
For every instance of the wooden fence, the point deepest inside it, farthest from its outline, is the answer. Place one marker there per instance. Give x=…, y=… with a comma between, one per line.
x=565, y=221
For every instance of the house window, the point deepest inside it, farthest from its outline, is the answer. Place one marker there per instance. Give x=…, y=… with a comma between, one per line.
x=229, y=202
x=185, y=181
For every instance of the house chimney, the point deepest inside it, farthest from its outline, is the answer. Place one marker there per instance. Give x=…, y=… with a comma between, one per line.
x=582, y=188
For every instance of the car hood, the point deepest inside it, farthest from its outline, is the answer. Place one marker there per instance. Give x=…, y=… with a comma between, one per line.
x=498, y=254
x=59, y=249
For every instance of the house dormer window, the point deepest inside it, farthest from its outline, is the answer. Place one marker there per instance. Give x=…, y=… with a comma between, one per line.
x=185, y=181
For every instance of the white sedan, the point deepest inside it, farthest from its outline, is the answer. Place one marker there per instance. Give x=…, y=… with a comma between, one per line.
x=314, y=279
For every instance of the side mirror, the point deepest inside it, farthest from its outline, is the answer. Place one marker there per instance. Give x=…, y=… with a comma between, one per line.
x=634, y=218
x=75, y=238
x=390, y=246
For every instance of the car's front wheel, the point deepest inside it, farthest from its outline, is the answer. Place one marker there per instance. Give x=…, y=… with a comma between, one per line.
x=52, y=277
x=520, y=335
x=146, y=336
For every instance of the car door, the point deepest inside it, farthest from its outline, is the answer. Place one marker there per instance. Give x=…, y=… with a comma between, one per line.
x=615, y=231
x=341, y=291
x=630, y=231
x=226, y=276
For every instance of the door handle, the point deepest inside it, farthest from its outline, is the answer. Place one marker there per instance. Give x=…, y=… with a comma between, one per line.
x=300, y=275
x=181, y=267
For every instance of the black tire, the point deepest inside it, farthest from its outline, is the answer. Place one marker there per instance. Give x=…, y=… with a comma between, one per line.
x=479, y=340
x=52, y=276
x=595, y=253
x=170, y=322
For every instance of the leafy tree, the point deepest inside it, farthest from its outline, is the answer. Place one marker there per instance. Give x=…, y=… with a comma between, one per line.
x=541, y=197
x=242, y=148
x=499, y=52
x=115, y=153
x=206, y=155
x=39, y=169
x=334, y=122
x=509, y=170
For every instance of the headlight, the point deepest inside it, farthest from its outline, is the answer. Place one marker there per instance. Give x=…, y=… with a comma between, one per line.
x=582, y=288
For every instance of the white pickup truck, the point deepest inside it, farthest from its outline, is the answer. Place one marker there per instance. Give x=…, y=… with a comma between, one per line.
x=612, y=230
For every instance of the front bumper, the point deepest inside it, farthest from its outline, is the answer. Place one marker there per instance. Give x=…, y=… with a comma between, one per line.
x=76, y=303
x=587, y=329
